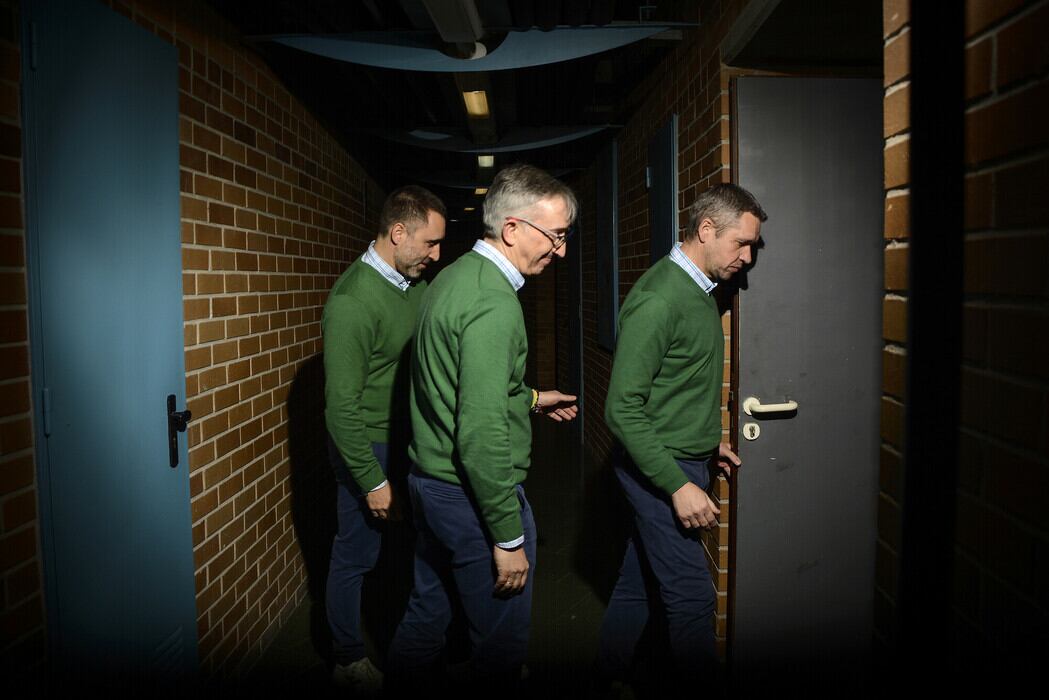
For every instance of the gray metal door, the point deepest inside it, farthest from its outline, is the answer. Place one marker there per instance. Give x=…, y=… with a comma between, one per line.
x=102, y=201
x=809, y=331
x=662, y=190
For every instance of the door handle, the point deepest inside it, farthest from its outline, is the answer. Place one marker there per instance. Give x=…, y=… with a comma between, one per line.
x=177, y=422
x=752, y=405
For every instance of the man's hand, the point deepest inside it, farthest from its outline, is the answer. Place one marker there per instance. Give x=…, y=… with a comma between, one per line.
x=727, y=458
x=380, y=502
x=557, y=406
x=694, y=508
x=511, y=570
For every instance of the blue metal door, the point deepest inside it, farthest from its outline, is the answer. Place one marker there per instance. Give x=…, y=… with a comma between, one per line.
x=102, y=204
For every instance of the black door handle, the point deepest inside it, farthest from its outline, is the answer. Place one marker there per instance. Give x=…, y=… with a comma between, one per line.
x=177, y=423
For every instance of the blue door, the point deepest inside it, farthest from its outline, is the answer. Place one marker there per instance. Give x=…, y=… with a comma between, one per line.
x=102, y=205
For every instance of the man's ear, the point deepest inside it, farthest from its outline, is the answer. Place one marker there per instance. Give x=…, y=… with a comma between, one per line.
x=509, y=233
x=706, y=230
x=398, y=232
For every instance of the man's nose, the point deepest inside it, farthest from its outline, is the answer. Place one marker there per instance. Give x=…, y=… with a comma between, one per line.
x=561, y=250
x=744, y=255
x=435, y=253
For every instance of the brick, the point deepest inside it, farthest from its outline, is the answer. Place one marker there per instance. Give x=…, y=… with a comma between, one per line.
x=1009, y=341
x=892, y=422
x=220, y=214
x=223, y=306
x=897, y=112
x=12, y=288
x=896, y=275
x=894, y=320
x=10, y=212
x=1003, y=408
x=15, y=435
x=207, y=186
x=210, y=331
x=10, y=176
x=1020, y=195
x=1010, y=265
x=1023, y=51
x=1010, y=126
x=193, y=309
x=897, y=164
x=198, y=358
x=23, y=583
x=16, y=474
x=19, y=510
x=194, y=258
x=981, y=14
x=897, y=59
x=17, y=547
x=978, y=69
x=209, y=284
x=978, y=203
x=895, y=14
x=12, y=250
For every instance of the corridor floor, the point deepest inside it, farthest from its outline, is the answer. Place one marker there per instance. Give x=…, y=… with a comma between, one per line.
x=581, y=537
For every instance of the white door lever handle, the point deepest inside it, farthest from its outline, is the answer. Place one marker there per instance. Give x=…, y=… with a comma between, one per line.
x=752, y=405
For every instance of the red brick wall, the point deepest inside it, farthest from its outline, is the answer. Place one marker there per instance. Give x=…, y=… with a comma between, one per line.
x=693, y=83
x=22, y=619
x=1001, y=570
x=273, y=209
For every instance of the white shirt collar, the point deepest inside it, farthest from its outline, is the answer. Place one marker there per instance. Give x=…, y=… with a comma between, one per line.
x=686, y=264
x=512, y=274
x=390, y=274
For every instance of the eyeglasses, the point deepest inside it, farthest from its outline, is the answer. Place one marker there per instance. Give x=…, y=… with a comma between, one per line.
x=558, y=239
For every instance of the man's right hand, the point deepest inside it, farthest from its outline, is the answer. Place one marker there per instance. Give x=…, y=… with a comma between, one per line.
x=511, y=570
x=694, y=508
x=380, y=502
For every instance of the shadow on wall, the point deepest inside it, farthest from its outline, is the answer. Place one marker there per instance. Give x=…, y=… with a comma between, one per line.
x=312, y=490
x=386, y=588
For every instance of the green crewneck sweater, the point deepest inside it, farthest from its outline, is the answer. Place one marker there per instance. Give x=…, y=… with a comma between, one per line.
x=664, y=397
x=469, y=403
x=367, y=327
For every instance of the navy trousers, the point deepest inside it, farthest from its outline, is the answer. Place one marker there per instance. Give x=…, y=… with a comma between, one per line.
x=664, y=569
x=354, y=552
x=453, y=559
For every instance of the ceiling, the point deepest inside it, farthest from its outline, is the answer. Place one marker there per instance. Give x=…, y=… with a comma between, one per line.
x=372, y=110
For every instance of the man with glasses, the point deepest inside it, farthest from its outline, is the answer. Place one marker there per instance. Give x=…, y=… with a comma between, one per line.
x=367, y=325
x=472, y=440
x=664, y=406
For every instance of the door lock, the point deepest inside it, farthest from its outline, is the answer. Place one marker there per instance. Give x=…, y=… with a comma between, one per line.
x=751, y=431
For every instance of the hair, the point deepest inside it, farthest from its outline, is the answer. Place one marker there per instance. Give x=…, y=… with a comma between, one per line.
x=517, y=188
x=410, y=206
x=723, y=204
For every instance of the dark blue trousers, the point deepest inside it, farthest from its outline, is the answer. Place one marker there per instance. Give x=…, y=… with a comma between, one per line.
x=453, y=558
x=354, y=552
x=664, y=569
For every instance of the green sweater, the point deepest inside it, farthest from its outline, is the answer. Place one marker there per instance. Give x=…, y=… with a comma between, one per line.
x=367, y=326
x=469, y=403
x=664, y=397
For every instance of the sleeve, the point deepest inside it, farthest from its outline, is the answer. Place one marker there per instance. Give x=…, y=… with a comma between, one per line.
x=349, y=333
x=487, y=353
x=645, y=335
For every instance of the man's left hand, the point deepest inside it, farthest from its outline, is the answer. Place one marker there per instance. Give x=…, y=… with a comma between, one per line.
x=557, y=406
x=727, y=458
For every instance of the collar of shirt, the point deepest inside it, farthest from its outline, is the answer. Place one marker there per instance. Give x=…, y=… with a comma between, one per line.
x=686, y=264
x=374, y=260
x=489, y=251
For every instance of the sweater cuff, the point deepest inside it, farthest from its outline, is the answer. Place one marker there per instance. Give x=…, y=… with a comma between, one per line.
x=512, y=544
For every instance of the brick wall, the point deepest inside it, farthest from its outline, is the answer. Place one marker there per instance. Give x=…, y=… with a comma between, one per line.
x=22, y=618
x=692, y=82
x=273, y=209
x=1001, y=571
x=894, y=306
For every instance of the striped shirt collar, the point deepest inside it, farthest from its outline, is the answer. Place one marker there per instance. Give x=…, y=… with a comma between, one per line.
x=373, y=259
x=686, y=264
x=513, y=276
